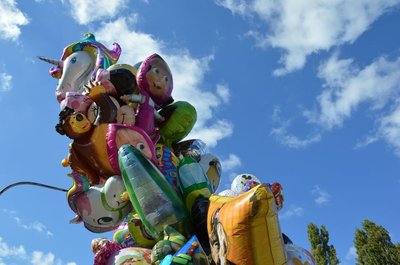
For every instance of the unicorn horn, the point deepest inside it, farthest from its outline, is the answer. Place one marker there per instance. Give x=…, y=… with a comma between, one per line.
x=51, y=61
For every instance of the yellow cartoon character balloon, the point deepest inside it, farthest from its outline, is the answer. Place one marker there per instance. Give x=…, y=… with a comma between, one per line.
x=245, y=230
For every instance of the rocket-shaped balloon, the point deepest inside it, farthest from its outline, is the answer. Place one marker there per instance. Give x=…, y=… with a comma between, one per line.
x=154, y=200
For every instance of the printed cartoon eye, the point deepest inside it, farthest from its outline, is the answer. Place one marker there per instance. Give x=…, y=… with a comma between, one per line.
x=166, y=79
x=79, y=117
x=104, y=220
x=73, y=60
x=140, y=146
x=155, y=70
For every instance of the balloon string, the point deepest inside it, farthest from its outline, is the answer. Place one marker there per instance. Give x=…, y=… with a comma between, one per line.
x=31, y=183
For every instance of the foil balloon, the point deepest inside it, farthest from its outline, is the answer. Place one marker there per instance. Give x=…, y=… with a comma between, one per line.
x=178, y=120
x=245, y=230
x=196, y=189
x=298, y=255
x=193, y=183
x=110, y=253
x=133, y=255
x=229, y=193
x=171, y=243
x=138, y=232
x=79, y=64
x=154, y=79
x=155, y=201
x=122, y=235
x=194, y=148
x=211, y=165
x=240, y=181
x=94, y=150
x=168, y=164
x=101, y=207
x=191, y=254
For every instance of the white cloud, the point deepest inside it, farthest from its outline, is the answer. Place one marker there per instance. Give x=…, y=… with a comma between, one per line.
x=285, y=138
x=213, y=133
x=39, y=258
x=347, y=87
x=281, y=134
x=389, y=129
x=223, y=92
x=232, y=162
x=7, y=251
x=11, y=19
x=188, y=73
x=351, y=254
x=321, y=196
x=14, y=255
x=5, y=82
x=293, y=211
x=301, y=28
x=36, y=226
x=84, y=11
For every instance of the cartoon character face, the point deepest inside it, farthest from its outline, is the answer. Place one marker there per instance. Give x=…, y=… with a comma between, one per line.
x=79, y=123
x=159, y=78
x=101, y=208
x=76, y=72
x=155, y=79
x=240, y=181
x=212, y=167
x=136, y=138
x=126, y=115
x=112, y=190
x=218, y=241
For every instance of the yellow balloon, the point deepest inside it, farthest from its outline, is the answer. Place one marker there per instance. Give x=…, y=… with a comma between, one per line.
x=245, y=230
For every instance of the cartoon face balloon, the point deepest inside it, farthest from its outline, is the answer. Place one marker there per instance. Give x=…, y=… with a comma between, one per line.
x=155, y=78
x=76, y=72
x=101, y=207
x=240, y=181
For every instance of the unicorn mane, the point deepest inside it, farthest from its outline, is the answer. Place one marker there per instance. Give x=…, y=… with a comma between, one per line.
x=80, y=184
x=104, y=56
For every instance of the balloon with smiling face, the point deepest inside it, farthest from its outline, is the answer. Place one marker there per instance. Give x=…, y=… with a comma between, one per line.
x=94, y=150
x=100, y=207
x=155, y=82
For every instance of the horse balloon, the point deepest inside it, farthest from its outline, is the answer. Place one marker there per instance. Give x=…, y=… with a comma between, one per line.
x=80, y=63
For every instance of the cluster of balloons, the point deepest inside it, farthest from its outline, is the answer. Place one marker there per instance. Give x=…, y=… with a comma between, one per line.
x=134, y=174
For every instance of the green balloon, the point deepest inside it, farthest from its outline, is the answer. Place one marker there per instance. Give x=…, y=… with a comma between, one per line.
x=180, y=118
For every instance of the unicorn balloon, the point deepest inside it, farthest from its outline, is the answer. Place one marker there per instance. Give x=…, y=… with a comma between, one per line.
x=80, y=63
x=100, y=207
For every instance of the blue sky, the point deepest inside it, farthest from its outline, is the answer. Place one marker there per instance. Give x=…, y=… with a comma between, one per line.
x=304, y=93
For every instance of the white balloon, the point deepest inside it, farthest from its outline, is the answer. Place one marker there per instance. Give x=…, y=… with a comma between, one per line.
x=240, y=180
x=229, y=193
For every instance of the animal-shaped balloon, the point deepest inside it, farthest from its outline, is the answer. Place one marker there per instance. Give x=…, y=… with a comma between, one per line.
x=94, y=150
x=79, y=64
x=101, y=207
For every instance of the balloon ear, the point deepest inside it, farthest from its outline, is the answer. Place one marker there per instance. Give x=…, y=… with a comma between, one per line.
x=76, y=220
x=60, y=129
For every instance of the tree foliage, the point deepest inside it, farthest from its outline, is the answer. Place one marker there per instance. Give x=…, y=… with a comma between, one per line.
x=374, y=246
x=324, y=254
